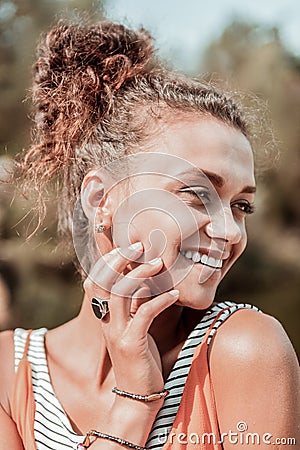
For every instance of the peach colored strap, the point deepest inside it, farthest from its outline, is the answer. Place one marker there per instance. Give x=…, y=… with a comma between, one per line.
x=23, y=404
x=25, y=353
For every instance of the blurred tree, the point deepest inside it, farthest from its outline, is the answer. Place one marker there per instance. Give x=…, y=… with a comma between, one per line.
x=44, y=270
x=21, y=23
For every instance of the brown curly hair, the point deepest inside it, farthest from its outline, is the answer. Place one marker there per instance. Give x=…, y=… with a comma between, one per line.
x=97, y=90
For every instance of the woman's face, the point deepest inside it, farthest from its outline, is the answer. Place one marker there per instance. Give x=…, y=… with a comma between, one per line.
x=188, y=204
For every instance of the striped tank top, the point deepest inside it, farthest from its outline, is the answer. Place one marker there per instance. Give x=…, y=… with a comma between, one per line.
x=52, y=428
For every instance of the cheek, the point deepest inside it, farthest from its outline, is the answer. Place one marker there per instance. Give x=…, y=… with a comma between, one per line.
x=244, y=237
x=158, y=232
x=239, y=248
x=157, y=218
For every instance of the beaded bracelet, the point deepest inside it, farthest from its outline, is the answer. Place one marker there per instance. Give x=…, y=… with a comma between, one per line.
x=97, y=434
x=141, y=398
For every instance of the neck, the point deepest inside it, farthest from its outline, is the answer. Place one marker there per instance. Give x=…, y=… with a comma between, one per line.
x=168, y=329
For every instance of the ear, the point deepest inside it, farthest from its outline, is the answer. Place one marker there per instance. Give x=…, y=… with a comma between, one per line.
x=95, y=203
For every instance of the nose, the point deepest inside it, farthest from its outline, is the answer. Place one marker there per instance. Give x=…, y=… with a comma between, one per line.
x=222, y=225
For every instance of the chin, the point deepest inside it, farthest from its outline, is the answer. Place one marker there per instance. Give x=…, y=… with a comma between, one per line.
x=196, y=296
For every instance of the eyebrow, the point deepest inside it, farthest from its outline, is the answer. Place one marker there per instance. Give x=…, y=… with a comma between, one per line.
x=214, y=178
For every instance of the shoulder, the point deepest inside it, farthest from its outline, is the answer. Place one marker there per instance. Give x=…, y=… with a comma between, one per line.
x=250, y=336
x=6, y=349
x=8, y=430
x=255, y=374
x=7, y=367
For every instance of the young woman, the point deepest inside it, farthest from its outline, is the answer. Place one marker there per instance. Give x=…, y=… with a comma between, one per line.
x=155, y=176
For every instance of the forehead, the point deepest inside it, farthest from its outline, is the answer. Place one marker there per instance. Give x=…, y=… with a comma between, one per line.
x=205, y=144
x=190, y=151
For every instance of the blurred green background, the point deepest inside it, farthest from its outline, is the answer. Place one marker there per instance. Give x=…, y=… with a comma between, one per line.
x=251, y=50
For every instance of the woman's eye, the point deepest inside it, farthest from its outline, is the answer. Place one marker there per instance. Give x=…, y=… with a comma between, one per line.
x=245, y=207
x=201, y=194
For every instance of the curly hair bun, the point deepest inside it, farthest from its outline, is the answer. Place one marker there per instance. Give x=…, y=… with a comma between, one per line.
x=79, y=68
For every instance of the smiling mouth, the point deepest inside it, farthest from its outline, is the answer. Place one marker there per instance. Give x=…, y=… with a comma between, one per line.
x=202, y=258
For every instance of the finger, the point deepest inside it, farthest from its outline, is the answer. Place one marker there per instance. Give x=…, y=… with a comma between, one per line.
x=149, y=310
x=121, y=292
x=109, y=267
x=141, y=296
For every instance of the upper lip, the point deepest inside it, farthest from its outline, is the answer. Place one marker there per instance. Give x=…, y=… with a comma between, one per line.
x=216, y=254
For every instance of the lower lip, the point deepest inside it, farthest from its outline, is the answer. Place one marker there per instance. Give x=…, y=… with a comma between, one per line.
x=208, y=274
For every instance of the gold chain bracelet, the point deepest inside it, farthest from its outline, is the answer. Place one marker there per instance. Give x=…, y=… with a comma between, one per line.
x=97, y=434
x=141, y=398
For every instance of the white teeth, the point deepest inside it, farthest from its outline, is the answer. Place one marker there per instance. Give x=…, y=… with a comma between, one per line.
x=211, y=261
x=196, y=257
x=204, y=259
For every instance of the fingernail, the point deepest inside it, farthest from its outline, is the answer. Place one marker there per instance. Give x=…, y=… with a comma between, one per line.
x=155, y=261
x=136, y=246
x=174, y=292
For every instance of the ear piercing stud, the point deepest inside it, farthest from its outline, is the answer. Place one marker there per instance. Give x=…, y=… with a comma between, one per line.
x=100, y=228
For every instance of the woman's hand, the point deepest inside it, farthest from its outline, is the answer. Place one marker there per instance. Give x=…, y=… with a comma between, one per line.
x=133, y=352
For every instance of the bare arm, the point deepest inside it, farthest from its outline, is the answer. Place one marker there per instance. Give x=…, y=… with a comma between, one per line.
x=9, y=436
x=255, y=375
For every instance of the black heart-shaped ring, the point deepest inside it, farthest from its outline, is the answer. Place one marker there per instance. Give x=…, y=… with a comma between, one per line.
x=100, y=307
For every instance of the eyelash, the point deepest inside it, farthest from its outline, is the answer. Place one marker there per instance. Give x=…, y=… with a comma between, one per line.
x=200, y=194
x=244, y=206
